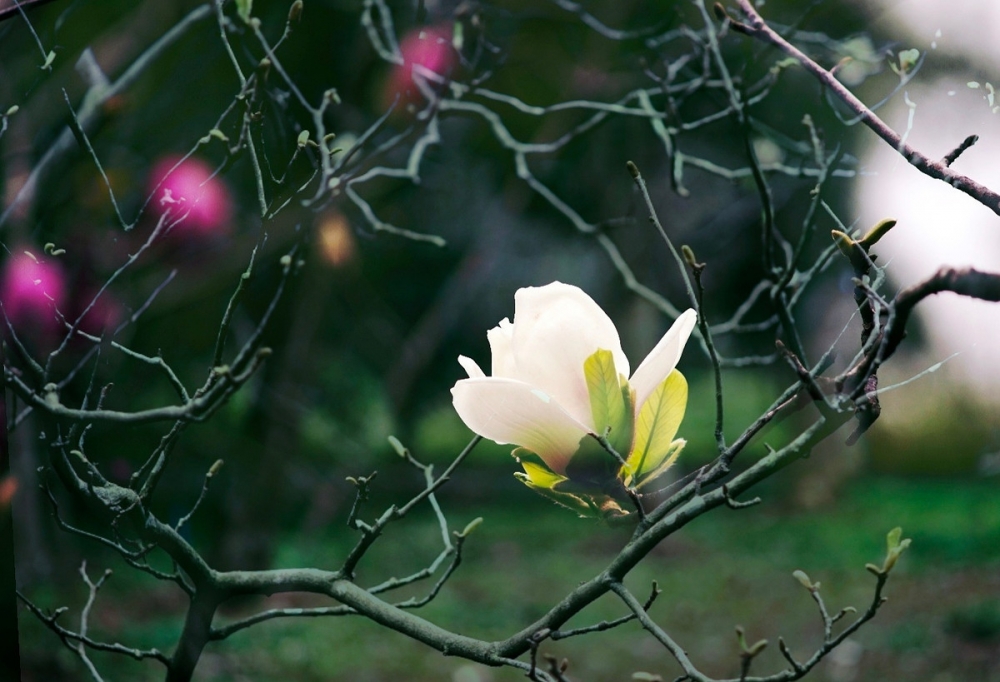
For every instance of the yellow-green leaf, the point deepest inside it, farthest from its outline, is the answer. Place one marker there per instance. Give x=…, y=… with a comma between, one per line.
x=581, y=505
x=893, y=537
x=907, y=59
x=610, y=399
x=880, y=230
x=602, y=385
x=659, y=418
x=657, y=465
x=540, y=476
x=895, y=546
x=243, y=8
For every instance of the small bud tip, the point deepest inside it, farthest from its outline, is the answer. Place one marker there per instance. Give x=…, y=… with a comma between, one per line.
x=689, y=256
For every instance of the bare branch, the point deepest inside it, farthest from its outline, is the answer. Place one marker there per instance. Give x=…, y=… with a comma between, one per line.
x=756, y=27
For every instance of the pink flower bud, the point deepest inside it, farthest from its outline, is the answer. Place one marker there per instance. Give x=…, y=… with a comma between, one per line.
x=31, y=290
x=189, y=190
x=427, y=47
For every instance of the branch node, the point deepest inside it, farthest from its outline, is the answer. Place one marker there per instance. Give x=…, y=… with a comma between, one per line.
x=796, y=666
x=722, y=15
x=733, y=503
x=952, y=156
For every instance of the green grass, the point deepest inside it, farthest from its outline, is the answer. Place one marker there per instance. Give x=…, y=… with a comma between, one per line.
x=727, y=568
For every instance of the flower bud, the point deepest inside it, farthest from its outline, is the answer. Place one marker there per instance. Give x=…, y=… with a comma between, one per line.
x=804, y=580
x=32, y=291
x=430, y=48
x=398, y=446
x=189, y=191
x=873, y=235
x=471, y=526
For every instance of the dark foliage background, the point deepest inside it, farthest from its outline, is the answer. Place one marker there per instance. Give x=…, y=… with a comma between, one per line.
x=365, y=343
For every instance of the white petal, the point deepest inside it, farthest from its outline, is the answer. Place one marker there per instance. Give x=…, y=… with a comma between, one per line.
x=662, y=360
x=471, y=368
x=510, y=411
x=556, y=328
x=503, y=358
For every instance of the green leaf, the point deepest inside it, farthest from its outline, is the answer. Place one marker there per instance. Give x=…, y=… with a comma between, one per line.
x=587, y=500
x=576, y=503
x=873, y=235
x=243, y=8
x=893, y=537
x=610, y=399
x=471, y=526
x=895, y=546
x=604, y=389
x=523, y=455
x=659, y=418
x=538, y=473
x=540, y=476
x=907, y=59
x=659, y=465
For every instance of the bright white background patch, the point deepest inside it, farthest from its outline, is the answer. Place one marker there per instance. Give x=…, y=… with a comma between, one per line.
x=937, y=224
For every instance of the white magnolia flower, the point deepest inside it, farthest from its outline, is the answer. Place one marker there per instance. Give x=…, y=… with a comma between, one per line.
x=559, y=376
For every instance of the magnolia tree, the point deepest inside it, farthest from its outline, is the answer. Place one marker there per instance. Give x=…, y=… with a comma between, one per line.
x=588, y=432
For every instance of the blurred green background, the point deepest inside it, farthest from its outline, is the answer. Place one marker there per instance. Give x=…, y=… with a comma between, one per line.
x=365, y=346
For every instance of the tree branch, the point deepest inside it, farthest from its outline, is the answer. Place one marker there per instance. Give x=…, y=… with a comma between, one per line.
x=963, y=281
x=756, y=27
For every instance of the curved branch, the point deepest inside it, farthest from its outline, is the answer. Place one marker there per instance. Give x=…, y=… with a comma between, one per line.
x=963, y=281
x=939, y=169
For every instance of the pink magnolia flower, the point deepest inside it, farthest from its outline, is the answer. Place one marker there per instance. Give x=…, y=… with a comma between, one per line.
x=429, y=48
x=31, y=290
x=189, y=190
